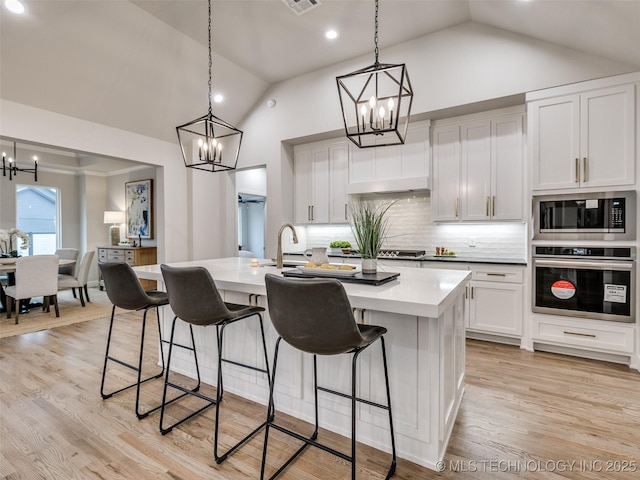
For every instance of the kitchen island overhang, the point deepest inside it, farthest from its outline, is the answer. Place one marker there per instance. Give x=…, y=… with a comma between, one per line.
x=423, y=311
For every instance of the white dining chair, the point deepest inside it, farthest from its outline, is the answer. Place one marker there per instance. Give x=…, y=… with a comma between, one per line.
x=81, y=278
x=68, y=254
x=36, y=276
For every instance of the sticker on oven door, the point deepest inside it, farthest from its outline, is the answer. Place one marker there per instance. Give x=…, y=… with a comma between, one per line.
x=615, y=293
x=563, y=289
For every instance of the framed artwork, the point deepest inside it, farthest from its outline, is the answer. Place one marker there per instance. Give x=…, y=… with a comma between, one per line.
x=138, y=198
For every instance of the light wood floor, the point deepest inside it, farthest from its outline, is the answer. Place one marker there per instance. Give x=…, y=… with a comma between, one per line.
x=524, y=415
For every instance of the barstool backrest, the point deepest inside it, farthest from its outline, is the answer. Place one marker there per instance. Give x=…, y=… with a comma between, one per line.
x=122, y=285
x=193, y=295
x=312, y=315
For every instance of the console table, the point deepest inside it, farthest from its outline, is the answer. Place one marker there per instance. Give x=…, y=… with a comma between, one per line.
x=134, y=256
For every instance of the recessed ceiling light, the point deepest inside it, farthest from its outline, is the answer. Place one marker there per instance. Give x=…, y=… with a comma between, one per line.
x=218, y=98
x=331, y=34
x=14, y=6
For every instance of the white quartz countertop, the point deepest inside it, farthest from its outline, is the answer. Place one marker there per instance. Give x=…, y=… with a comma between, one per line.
x=420, y=292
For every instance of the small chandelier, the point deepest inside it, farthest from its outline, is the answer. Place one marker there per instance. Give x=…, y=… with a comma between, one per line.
x=376, y=102
x=11, y=165
x=209, y=143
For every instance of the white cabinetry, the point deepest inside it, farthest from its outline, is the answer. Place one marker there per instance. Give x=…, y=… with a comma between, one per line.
x=320, y=181
x=583, y=334
x=478, y=168
x=494, y=296
x=585, y=139
x=391, y=168
x=445, y=192
x=496, y=300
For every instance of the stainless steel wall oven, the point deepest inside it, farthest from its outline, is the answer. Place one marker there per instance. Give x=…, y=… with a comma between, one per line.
x=587, y=282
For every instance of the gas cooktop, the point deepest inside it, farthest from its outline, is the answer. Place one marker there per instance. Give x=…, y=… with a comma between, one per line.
x=400, y=253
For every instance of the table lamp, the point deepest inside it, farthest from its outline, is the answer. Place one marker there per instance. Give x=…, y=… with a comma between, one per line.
x=115, y=218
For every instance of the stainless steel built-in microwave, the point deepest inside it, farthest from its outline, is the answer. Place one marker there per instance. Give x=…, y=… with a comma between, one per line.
x=585, y=216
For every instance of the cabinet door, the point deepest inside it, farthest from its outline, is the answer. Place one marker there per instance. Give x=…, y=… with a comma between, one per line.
x=607, y=133
x=361, y=164
x=555, y=142
x=445, y=195
x=339, y=200
x=476, y=170
x=496, y=308
x=414, y=154
x=320, y=185
x=302, y=186
x=507, y=161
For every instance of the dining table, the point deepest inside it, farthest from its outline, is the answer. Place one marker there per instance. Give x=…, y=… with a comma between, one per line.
x=9, y=269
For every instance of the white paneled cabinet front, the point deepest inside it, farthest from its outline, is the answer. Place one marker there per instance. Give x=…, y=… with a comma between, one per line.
x=478, y=169
x=496, y=308
x=320, y=179
x=445, y=193
x=338, y=175
x=391, y=168
x=496, y=299
x=584, y=140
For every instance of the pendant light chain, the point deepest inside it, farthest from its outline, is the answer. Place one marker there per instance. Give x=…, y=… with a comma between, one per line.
x=210, y=61
x=209, y=143
x=375, y=36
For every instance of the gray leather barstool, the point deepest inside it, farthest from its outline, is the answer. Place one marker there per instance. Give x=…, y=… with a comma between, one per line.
x=304, y=317
x=124, y=291
x=194, y=299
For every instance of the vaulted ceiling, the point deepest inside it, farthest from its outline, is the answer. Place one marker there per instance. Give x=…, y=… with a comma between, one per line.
x=141, y=65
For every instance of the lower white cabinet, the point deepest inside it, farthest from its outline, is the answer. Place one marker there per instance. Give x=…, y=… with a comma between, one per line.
x=584, y=334
x=496, y=308
x=494, y=297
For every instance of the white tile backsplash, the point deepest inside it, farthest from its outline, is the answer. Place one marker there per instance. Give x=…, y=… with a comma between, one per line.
x=410, y=227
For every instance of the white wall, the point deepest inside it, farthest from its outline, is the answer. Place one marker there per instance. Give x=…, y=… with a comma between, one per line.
x=196, y=210
x=461, y=65
x=30, y=124
x=252, y=181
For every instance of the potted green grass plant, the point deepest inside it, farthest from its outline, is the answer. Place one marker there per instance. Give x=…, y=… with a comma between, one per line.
x=369, y=225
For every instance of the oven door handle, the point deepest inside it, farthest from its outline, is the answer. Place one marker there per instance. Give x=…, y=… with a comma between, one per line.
x=605, y=265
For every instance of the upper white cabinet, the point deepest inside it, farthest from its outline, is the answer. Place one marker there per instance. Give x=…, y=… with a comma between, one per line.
x=584, y=139
x=320, y=183
x=338, y=175
x=391, y=168
x=478, y=168
x=445, y=190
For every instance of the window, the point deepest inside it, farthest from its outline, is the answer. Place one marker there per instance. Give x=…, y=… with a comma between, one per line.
x=37, y=216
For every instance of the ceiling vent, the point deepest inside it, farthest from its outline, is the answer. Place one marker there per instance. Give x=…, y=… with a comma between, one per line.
x=301, y=6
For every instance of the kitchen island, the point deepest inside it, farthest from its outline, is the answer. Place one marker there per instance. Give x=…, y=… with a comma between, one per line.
x=423, y=311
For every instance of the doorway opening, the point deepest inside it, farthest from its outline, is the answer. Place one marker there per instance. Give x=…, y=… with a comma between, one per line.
x=251, y=188
x=251, y=225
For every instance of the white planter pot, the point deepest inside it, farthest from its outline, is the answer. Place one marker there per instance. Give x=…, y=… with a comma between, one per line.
x=369, y=265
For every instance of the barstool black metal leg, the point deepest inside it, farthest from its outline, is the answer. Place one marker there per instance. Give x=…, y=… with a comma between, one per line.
x=194, y=391
x=106, y=355
x=139, y=414
x=270, y=414
x=220, y=337
x=354, y=381
x=137, y=368
x=392, y=469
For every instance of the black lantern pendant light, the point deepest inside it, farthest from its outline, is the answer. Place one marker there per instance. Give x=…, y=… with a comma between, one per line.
x=209, y=143
x=376, y=102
